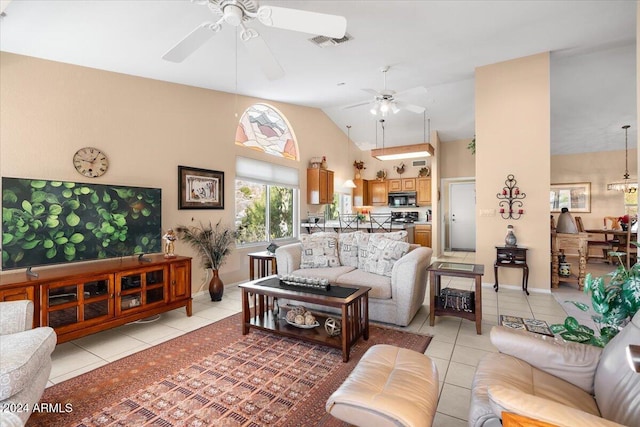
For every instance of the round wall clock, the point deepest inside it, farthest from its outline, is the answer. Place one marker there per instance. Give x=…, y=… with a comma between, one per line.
x=90, y=162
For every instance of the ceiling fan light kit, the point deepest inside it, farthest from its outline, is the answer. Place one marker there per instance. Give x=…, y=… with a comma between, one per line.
x=237, y=13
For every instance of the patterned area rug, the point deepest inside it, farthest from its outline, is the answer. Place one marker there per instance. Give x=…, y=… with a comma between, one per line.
x=215, y=376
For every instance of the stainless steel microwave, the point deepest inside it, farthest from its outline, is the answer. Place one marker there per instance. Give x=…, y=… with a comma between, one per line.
x=402, y=199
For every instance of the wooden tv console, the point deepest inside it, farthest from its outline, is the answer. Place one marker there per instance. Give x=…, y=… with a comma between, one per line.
x=81, y=299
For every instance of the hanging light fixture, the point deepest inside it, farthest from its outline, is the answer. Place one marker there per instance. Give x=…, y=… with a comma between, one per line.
x=626, y=185
x=348, y=183
x=404, y=151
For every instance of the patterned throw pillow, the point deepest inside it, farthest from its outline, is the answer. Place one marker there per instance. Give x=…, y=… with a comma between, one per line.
x=363, y=244
x=319, y=250
x=383, y=254
x=348, y=248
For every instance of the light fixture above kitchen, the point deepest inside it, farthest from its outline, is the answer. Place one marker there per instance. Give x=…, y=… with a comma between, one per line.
x=404, y=151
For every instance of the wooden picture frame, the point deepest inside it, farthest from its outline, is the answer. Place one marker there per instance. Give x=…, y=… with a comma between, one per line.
x=575, y=196
x=200, y=188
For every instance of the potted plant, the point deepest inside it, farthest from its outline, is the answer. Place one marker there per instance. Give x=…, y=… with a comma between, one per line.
x=213, y=245
x=615, y=301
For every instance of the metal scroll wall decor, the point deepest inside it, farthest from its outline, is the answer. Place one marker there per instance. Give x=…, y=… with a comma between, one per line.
x=511, y=206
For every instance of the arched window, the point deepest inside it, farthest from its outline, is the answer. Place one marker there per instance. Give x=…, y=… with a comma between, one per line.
x=264, y=128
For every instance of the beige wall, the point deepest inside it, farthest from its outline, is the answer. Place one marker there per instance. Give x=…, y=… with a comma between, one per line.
x=513, y=137
x=147, y=128
x=599, y=169
x=456, y=160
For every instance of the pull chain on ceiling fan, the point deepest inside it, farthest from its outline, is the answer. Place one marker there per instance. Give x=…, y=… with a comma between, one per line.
x=237, y=13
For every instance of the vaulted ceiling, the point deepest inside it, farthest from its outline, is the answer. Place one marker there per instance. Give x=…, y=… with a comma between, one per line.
x=435, y=45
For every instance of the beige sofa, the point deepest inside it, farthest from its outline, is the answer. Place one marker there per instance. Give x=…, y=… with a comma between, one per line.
x=397, y=288
x=25, y=361
x=562, y=383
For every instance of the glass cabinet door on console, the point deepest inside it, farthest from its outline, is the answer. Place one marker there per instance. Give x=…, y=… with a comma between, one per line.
x=71, y=304
x=138, y=289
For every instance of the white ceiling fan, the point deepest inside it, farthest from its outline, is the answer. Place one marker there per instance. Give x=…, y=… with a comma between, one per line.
x=387, y=100
x=237, y=13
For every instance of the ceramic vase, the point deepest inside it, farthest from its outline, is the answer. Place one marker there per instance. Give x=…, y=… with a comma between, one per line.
x=564, y=269
x=216, y=287
x=510, y=239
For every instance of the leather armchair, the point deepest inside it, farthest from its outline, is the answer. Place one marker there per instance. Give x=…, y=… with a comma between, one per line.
x=25, y=361
x=558, y=382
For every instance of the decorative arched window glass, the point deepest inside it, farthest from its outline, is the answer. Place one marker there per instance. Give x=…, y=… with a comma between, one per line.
x=263, y=128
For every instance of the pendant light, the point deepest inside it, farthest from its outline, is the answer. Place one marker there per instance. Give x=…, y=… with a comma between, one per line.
x=625, y=185
x=404, y=151
x=348, y=183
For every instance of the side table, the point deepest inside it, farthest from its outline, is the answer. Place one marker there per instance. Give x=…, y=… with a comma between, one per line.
x=264, y=258
x=455, y=269
x=512, y=257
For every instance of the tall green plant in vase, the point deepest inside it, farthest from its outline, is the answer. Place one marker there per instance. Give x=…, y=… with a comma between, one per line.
x=615, y=298
x=213, y=244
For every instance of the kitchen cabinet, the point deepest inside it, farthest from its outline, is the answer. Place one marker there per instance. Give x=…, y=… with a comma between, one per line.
x=404, y=184
x=424, y=191
x=361, y=193
x=423, y=235
x=378, y=195
x=319, y=186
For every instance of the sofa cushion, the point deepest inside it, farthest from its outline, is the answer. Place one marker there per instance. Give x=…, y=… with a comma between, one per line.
x=380, y=285
x=319, y=250
x=363, y=244
x=383, y=254
x=501, y=369
x=330, y=273
x=506, y=399
x=23, y=354
x=348, y=248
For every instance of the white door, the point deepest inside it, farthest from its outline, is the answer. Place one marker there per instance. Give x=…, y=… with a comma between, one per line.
x=462, y=230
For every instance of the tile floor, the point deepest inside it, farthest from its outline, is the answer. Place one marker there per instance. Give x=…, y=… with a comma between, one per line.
x=456, y=348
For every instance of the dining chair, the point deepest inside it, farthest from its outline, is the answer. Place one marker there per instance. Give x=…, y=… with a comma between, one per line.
x=603, y=245
x=316, y=222
x=348, y=222
x=380, y=223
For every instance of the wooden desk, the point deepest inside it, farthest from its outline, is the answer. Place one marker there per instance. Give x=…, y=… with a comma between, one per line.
x=264, y=258
x=512, y=257
x=455, y=269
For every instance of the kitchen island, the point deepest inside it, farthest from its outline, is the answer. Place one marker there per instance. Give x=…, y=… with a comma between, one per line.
x=333, y=225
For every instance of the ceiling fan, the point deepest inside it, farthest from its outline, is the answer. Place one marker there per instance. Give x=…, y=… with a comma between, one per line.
x=237, y=13
x=386, y=99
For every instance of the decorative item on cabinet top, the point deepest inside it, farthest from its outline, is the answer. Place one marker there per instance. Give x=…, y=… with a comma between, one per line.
x=424, y=172
x=511, y=206
x=381, y=175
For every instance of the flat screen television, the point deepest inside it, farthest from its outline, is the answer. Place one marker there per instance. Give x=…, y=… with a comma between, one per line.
x=50, y=222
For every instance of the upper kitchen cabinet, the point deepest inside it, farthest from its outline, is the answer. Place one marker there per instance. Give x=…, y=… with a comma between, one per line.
x=319, y=186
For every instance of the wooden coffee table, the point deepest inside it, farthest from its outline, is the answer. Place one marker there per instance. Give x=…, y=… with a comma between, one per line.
x=257, y=312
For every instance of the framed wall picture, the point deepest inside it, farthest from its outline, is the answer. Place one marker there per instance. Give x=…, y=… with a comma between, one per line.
x=574, y=196
x=200, y=188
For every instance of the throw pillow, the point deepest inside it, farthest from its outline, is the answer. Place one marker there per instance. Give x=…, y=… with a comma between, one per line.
x=319, y=250
x=383, y=254
x=348, y=248
x=363, y=244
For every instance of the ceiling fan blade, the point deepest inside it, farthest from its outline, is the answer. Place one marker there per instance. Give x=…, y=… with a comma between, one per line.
x=418, y=90
x=196, y=38
x=4, y=4
x=410, y=107
x=333, y=26
x=372, y=92
x=357, y=104
x=260, y=51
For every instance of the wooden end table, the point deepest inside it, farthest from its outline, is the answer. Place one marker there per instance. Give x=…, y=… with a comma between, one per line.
x=512, y=257
x=455, y=269
x=259, y=314
x=264, y=258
